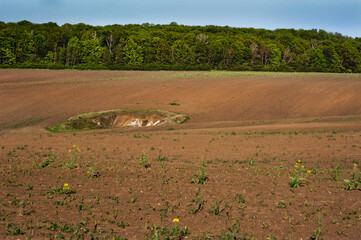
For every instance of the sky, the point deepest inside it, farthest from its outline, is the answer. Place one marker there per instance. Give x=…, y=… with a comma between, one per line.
x=342, y=16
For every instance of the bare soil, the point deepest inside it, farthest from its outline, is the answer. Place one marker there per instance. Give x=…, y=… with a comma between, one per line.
x=230, y=165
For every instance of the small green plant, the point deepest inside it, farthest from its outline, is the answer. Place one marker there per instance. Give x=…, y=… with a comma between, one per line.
x=143, y=159
x=168, y=233
x=252, y=161
x=239, y=198
x=215, y=208
x=318, y=232
x=336, y=171
x=352, y=184
x=49, y=158
x=45, y=163
x=196, y=203
x=174, y=104
x=298, y=174
x=80, y=208
x=281, y=204
x=161, y=158
x=74, y=156
x=52, y=226
x=13, y=230
x=163, y=212
x=137, y=135
x=91, y=172
x=61, y=190
x=200, y=177
x=234, y=232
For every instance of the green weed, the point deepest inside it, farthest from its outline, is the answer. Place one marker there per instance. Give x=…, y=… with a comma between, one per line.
x=196, y=203
x=352, y=184
x=298, y=174
x=234, y=232
x=215, y=208
x=239, y=198
x=200, y=177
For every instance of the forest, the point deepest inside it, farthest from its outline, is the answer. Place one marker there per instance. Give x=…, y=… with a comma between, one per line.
x=175, y=47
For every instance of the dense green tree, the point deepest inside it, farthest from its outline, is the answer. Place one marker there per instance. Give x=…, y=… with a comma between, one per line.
x=349, y=56
x=7, y=57
x=181, y=53
x=200, y=50
x=329, y=53
x=61, y=55
x=336, y=65
x=133, y=53
x=48, y=59
x=39, y=40
x=73, y=52
x=91, y=52
x=118, y=51
x=275, y=56
x=23, y=44
x=174, y=46
x=162, y=50
x=317, y=60
x=242, y=53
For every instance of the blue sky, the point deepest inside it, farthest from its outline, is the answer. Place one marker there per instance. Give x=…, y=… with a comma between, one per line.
x=343, y=16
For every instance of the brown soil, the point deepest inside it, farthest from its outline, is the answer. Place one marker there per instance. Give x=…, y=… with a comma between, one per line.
x=246, y=131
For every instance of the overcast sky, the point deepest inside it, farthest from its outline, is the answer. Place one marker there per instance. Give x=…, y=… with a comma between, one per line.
x=343, y=16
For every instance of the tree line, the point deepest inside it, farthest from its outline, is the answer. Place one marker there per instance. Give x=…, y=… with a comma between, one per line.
x=175, y=47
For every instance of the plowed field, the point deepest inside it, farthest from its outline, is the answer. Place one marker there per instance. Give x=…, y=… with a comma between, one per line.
x=263, y=155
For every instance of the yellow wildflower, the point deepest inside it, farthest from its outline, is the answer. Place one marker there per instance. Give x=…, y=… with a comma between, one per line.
x=176, y=220
x=66, y=186
x=74, y=146
x=355, y=165
x=78, y=150
x=299, y=161
x=296, y=166
x=308, y=171
x=69, y=150
x=302, y=166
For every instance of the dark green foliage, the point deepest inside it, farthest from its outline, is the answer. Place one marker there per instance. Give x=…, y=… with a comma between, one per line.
x=175, y=47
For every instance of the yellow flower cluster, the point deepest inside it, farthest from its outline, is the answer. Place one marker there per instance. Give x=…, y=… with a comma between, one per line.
x=297, y=166
x=66, y=186
x=75, y=149
x=175, y=220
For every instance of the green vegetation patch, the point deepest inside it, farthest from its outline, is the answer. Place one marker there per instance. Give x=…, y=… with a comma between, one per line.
x=119, y=118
